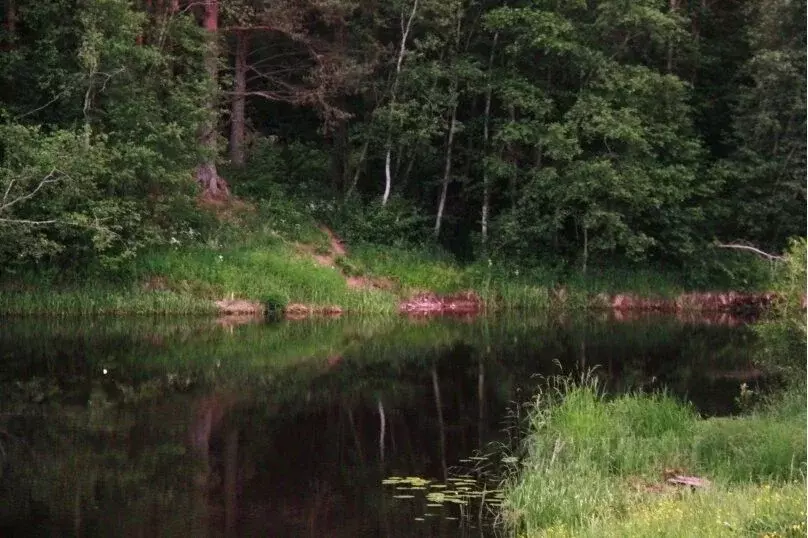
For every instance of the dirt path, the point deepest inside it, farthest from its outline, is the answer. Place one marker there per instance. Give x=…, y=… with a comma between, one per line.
x=337, y=249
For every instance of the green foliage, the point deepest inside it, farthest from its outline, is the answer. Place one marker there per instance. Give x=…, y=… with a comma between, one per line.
x=400, y=223
x=764, y=180
x=596, y=132
x=617, y=159
x=272, y=165
x=113, y=124
x=588, y=460
x=782, y=334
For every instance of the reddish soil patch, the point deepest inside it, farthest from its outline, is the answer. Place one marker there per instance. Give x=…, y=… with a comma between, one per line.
x=301, y=311
x=337, y=245
x=336, y=248
x=226, y=208
x=672, y=480
x=296, y=311
x=466, y=303
x=239, y=306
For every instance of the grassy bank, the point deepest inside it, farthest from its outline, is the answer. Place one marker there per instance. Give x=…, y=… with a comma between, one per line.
x=278, y=255
x=594, y=467
x=187, y=279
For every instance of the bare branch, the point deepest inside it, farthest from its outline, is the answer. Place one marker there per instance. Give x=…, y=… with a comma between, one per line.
x=26, y=221
x=8, y=190
x=45, y=181
x=751, y=249
x=34, y=111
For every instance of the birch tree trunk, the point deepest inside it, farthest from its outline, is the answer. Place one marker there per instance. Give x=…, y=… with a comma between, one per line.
x=486, y=136
x=447, y=168
x=388, y=147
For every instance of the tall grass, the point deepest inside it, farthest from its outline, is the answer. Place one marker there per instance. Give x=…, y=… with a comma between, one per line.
x=254, y=253
x=98, y=299
x=593, y=466
x=188, y=280
x=276, y=273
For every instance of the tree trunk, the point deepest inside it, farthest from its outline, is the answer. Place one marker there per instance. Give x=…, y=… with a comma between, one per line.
x=382, y=429
x=388, y=180
x=447, y=168
x=447, y=171
x=237, y=111
x=674, y=6
x=358, y=171
x=486, y=136
x=586, y=250
x=441, y=425
x=11, y=17
x=408, y=171
x=213, y=186
x=512, y=159
x=700, y=13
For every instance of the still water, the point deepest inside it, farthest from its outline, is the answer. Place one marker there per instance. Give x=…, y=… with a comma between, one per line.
x=196, y=427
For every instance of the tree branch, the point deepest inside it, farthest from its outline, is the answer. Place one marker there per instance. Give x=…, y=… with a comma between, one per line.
x=751, y=249
x=26, y=221
x=46, y=180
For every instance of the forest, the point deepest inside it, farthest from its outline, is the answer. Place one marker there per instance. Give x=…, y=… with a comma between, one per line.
x=621, y=184
x=565, y=135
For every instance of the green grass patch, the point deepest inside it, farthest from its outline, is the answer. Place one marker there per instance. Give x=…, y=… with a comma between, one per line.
x=99, y=299
x=253, y=251
x=593, y=466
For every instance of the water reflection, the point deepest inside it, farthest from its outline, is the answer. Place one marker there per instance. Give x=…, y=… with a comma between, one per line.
x=135, y=427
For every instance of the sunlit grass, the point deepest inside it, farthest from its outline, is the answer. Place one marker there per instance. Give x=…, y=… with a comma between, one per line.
x=766, y=510
x=593, y=466
x=276, y=273
x=98, y=299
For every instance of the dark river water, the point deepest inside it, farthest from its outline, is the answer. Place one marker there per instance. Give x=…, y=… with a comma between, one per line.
x=194, y=427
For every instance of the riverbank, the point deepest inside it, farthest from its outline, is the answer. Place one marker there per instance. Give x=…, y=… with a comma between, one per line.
x=247, y=266
x=317, y=279
x=594, y=466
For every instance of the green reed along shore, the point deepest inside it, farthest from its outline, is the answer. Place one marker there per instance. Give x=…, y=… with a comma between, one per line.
x=595, y=466
x=266, y=268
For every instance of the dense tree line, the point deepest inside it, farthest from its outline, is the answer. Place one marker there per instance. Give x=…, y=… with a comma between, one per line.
x=577, y=130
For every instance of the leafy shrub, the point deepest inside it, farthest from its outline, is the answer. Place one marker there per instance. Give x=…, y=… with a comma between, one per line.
x=399, y=223
x=274, y=168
